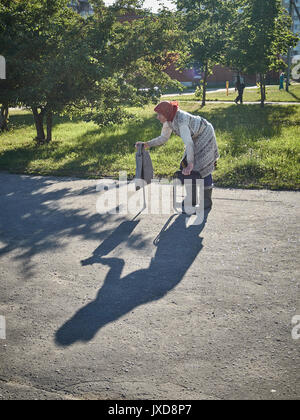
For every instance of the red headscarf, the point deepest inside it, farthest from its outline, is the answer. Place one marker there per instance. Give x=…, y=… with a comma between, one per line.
x=167, y=109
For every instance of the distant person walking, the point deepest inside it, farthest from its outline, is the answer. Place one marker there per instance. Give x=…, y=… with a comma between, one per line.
x=240, y=87
x=281, y=81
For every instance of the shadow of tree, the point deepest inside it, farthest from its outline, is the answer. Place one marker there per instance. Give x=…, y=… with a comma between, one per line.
x=32, y=220
x=294, y=96
x=90, y=154
x=25, y=119
x=248, y=124
x=263, y=122
x=121, y=294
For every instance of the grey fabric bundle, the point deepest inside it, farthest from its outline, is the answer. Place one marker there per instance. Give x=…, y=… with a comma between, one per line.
x=144, y=168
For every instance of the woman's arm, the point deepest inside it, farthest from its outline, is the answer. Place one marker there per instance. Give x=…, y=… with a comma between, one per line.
x=163, y=138
x=185, y=134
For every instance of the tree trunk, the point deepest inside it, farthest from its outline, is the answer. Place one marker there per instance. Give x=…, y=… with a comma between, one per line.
x=49, y=126
x=4, y=118
x=262, y=90
x=39, y=124
x=204, y=84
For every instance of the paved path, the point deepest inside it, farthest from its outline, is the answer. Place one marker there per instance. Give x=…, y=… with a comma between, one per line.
x=247, y=103
x=231, y=102
x=216, y=90
x=117, y=307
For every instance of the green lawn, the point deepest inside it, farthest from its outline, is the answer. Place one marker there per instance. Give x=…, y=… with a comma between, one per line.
x=250, y=95
x=259, y=148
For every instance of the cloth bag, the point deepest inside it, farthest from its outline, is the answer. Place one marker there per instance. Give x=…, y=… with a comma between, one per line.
x=144, y=167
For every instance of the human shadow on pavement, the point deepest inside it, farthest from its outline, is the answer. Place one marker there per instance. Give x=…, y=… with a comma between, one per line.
x=177, y=248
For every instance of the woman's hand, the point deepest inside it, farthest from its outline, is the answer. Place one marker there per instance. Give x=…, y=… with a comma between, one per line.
x=188, y=169
x=146, y=145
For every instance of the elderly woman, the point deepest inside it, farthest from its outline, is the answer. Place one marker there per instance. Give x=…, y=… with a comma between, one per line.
x=201, y=150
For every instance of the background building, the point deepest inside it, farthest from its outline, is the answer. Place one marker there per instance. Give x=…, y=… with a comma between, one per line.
x=83, y=7
x=296, y=20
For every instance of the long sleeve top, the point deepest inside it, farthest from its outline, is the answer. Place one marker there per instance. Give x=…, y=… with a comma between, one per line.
x=184, y=133
x=198, y=137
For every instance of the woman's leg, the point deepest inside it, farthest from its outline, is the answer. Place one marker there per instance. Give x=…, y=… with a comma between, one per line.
x=208, y=187
x=191, y=201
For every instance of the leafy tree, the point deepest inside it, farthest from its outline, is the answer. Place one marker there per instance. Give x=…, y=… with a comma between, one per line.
x=48, y=56
x=137, y=55
x=70, y=63
x=204, y=23
x=258, y=35
x=9, y=49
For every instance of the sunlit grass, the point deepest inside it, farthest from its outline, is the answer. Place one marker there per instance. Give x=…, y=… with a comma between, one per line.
x=250, y=95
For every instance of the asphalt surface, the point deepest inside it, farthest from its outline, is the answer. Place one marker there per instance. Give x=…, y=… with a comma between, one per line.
x=139, y=306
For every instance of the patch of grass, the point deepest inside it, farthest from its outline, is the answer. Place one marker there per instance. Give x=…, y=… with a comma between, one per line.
x=250, y=95
x=259, y=148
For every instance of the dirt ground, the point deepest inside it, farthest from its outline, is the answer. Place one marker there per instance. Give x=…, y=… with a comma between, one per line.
x=102, y=306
